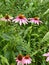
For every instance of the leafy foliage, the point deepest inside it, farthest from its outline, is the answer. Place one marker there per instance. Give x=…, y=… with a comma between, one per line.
x=29, y=39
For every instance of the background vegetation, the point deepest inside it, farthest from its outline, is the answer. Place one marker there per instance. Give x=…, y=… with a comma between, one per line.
x=30, y=39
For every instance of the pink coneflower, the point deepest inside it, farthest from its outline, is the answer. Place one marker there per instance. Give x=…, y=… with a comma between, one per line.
x=47, y=55
x=21, y=19
x=6, y=18
x=23, y=60
x=27, y=59
x=35, y=20
x=19, y=60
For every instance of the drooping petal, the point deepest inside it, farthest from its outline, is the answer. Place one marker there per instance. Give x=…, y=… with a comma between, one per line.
x=47, y=59
x=24, y=21
x=20, y=22
x=3, y=19
x=18, y=63
x=46, y=54
x=36, y=22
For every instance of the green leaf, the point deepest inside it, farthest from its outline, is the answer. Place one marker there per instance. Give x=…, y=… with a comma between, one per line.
x=46, y=37
x=27, y=30
x=46, y=12
x=4, y=60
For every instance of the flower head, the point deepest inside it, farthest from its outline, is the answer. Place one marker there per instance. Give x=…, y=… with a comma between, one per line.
x=35, y=20
x=27, y=59
x=19, y=60
x=6, y=18
x=23, y=59
x=21, y=19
